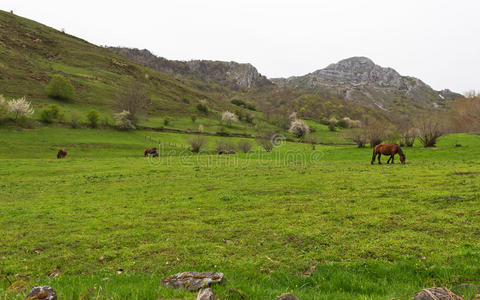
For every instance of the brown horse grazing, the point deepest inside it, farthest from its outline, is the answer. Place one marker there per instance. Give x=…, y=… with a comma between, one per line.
x=388, y=149
x=61, y=153
x=152, y=151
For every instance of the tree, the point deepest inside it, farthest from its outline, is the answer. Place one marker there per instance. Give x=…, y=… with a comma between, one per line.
x=358, y=136
x=201, y=107
x=3, y=106
x=197, y=143
x=299, y=128
x=123, y=120
x=193, y=117
x=60, y=87
x=229, y=117
x=376, y=131
x=166, y=120
x=20, y=108
x=466, y=115
x=244, y=146
x=134, y=100
x=51, y=113
x=92, y=118
x=429, y=130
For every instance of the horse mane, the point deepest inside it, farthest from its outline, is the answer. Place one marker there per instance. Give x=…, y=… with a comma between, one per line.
x=400, y=152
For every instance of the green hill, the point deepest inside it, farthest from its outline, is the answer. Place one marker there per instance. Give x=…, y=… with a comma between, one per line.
x=30, y=53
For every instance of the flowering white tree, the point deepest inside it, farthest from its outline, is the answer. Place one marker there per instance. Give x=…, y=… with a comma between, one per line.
x=3, y=105
x=20, y=107
x=123, y=120
x=229, y=117
x=299, y=128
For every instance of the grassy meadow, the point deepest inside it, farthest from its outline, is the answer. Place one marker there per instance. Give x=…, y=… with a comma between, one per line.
x=322, y=224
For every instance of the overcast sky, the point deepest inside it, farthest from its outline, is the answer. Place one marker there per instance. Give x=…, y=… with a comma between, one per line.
x=437, y=41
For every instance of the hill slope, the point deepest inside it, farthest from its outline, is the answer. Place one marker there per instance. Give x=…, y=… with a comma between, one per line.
x=30, y=53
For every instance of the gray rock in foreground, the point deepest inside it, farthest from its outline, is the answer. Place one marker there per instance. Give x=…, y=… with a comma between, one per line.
x=42, y=292
x=192, y=281
x=206, y=294
x=287, y=296
x=436, y=293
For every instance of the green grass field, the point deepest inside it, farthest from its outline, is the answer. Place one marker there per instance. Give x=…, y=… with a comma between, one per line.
x=264, y=219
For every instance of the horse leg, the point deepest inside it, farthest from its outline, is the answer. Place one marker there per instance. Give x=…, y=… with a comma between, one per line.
x=373, y=157
x=379, y=156
x=393, y=158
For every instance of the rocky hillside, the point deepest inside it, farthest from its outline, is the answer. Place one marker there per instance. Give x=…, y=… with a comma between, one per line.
x=229, y=74
x=360, y=80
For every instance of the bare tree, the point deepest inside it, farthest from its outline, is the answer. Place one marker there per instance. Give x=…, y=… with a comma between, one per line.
x=358, y=136
x=429, y=130
x=134, y=100
x=376, y=131
x=197, y=143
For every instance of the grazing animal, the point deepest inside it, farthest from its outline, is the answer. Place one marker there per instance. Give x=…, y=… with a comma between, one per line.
x=152, y=152
x=388, y=149
x=61, y=153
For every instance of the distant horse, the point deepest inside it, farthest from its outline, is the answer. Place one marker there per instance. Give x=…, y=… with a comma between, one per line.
x=152, y=152
x=61, y=153
x=388, y=149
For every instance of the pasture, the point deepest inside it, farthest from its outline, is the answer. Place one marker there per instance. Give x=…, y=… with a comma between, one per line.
x=322, y=224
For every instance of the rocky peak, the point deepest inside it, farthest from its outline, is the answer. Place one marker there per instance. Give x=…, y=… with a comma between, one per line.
x=360, y=70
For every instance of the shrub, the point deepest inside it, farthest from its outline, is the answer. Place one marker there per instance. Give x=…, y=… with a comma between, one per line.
x=123, y=121
x=134, y=100
x=251, y=106
x=376, y=132
x=358, y=136
x=200, y=128
x=20, y=108
x=166, y=120
x=299, y=128
x=332, y=126
x=407, y=137
x=225, y=147
x=197, y=143
x=60, y=87
x=229, y=117
x=244, y=104
x=239, y=102
x=429, y=130
x=265, y=142
x=51, y=113
x=342, y=123
x=185, y=100
x=244, y=146
x=249, y=118
x=201, y=107
x=74, y=120
x=92, y=118
x=193, y=117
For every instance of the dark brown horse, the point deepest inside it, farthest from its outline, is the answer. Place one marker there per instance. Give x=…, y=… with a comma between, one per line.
x=152, y=151
x=388, y=149
x=61, y=153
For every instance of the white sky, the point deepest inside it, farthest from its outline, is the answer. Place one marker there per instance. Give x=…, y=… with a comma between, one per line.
x=437, y=41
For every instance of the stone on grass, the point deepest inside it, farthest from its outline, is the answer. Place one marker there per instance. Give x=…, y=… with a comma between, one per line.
x=436, y=293
x=287, y=296
x=42, y=292
x=206, y=294
x=192, y=281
